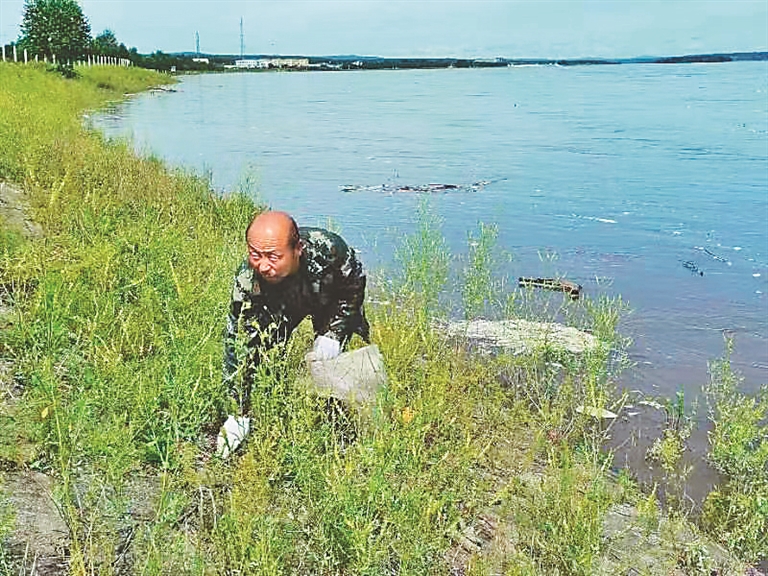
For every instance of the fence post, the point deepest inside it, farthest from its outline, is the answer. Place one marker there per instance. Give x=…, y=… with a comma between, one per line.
x=54, y=59
x=14, y=54
x=3, y=52
x=26, y=59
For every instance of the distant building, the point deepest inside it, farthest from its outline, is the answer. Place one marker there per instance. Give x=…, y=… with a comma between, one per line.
x=201, y=60
x=247, y=64
x=325, y=66
x=288, y=63
x=266, y=63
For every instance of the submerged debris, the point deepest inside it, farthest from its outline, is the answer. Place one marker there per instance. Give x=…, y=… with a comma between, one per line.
x=570, y=288
x=418, y=188
x=714, y=256
x=692, y=267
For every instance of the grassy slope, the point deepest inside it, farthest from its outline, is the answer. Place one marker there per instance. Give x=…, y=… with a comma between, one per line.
x=115, y=338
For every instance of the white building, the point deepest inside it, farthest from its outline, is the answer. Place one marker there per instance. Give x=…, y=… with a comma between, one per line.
x=264, y=63
x=249, y=64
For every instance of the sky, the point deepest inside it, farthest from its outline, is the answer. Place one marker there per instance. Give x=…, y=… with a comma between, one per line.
x=423, y=28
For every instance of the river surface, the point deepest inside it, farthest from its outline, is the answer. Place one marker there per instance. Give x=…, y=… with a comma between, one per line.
x=648, y=181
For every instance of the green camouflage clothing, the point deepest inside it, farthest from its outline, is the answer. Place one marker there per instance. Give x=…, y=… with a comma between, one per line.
x=329, y=287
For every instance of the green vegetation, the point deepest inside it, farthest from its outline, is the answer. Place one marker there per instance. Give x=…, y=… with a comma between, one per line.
x=737, y=511
x=112, y=324
x=58, y=31
x=106, y=44
x=669, y=448
x=55, y=29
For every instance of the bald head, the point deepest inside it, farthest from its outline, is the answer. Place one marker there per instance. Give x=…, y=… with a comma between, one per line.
x=279, y=222
x=274, y=250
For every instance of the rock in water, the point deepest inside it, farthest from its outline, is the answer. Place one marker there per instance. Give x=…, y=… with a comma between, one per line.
x=522, y=336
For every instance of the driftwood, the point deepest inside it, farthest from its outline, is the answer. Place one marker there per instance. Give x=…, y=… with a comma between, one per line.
x=570, y=288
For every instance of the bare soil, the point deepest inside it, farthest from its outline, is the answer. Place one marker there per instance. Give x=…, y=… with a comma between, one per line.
x=14, y=211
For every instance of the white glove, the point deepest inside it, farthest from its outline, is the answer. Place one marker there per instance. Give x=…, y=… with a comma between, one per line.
x=326, y=348
x=231, y=435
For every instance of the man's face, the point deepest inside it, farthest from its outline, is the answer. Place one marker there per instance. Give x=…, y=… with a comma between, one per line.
x=270, y=253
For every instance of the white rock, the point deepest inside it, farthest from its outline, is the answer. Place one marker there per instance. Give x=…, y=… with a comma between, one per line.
x=521, y=336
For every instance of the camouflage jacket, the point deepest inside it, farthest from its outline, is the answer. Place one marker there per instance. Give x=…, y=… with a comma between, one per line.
x=329, y=286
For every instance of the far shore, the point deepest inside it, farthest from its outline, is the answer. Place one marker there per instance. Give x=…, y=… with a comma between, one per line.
x=190, y=61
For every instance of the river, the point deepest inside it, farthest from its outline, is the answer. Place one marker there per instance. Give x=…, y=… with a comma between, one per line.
x=644, y=180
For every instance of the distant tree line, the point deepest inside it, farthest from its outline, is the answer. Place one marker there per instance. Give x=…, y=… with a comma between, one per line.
x=57, y=30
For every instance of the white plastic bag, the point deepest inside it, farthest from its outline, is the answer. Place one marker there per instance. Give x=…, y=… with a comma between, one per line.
x=231, y=435
x=326, y=348
x=354, y=377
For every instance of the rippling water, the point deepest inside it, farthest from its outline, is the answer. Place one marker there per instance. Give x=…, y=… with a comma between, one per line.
x=625, y=173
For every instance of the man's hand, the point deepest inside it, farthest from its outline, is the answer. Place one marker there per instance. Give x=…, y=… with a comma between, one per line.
x=326, y=348
x=231, y=435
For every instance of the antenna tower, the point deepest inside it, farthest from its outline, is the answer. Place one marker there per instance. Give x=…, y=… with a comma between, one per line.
x=197, y=43
x=242, y=39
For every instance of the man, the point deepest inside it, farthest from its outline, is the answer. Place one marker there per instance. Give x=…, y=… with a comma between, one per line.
x=289, y=274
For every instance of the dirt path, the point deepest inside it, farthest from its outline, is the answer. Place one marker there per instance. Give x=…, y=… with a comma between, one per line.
x=40, y=537
x=13, y=211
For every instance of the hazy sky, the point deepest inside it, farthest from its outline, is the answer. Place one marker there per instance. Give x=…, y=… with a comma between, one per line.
x=476, y=28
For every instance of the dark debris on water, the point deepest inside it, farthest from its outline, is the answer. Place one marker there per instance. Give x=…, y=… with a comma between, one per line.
x=417, y=188
x=693, y=267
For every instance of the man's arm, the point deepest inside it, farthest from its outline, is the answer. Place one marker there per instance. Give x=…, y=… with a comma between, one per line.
x=230, y=337
x=348, y=318
x=237, y=298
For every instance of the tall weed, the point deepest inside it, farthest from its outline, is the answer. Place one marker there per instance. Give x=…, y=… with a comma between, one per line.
x=737, y=511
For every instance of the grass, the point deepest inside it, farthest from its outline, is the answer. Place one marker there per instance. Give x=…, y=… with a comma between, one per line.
x=737, y=511
x=115, y=338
